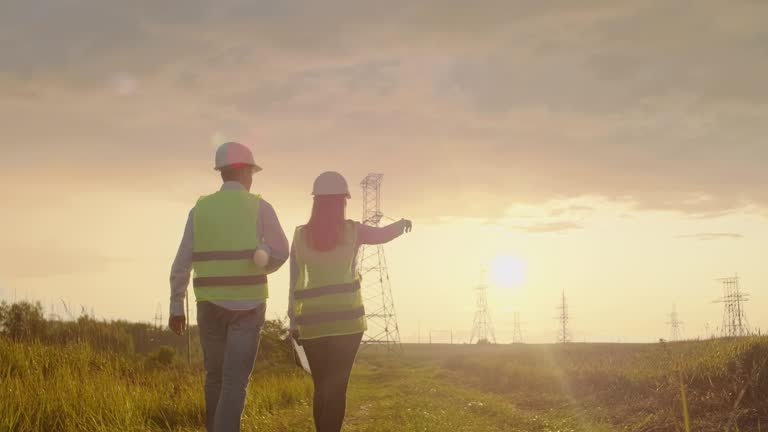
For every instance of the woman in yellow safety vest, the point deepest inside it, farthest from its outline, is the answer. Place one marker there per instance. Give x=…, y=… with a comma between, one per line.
x=325, y=304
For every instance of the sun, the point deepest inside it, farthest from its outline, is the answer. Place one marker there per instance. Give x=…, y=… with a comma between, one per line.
x=507, y=271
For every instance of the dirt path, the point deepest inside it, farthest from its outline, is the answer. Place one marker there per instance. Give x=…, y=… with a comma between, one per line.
x=423, y=400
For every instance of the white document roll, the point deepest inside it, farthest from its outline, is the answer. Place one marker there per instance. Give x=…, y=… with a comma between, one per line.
x=301, y=356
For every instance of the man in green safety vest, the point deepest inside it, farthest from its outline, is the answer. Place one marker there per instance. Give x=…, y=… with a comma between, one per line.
x=232, y=241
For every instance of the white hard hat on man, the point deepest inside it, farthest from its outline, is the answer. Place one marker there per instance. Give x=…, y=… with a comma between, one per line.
x=331, y=183
x=234, y=153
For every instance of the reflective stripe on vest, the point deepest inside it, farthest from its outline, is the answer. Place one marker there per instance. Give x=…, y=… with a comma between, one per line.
x=222, y=255
x=228, y=280
x=225, y=239
x=327, y=300
x=326, y=317
x=327, y=289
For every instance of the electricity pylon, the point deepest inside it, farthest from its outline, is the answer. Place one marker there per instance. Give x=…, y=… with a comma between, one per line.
x=734, y=318
x=482, y=327
x=675, y=326
x=517, y=334
x=372, y=265
x=159, y=317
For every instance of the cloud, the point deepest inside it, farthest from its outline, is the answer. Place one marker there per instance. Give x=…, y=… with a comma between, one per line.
x=711, y=236
x=571, y=209
x=549, y=227
x=648, y=102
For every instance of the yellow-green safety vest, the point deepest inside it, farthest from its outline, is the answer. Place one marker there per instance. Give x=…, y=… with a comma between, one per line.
x=225, y=238
x=327, y=299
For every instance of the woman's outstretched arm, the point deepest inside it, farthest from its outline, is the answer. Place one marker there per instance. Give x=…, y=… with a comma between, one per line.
x=370, y=235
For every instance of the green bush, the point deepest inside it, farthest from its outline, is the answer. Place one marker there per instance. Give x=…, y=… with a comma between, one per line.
x=22, y=321
x=25, y=322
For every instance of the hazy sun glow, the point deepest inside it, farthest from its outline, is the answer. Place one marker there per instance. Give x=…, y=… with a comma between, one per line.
x=507, y=271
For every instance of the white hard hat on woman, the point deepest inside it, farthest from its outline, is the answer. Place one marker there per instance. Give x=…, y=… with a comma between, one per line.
x=331, y=183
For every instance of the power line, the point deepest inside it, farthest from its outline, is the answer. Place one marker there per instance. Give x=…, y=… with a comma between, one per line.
x=372, y=264
x=482, y=327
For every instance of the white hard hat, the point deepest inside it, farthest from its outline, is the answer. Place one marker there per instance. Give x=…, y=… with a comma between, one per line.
x=233, y=153
x=330, y=183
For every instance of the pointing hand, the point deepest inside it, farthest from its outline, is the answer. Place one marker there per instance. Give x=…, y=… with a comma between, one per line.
x=408, y=225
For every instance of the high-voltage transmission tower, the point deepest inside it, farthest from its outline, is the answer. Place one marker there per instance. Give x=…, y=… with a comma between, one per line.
x=482, y=328
x=159, y=317
x=517, y=334
x=675, y=326
x=53, y=316
x=372, y=264
x=563, y=333
x=734, y=318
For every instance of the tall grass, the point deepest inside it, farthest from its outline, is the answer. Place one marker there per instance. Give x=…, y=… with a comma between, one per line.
x=719, y=385
x=686, y=415
x=76, y=388
x=706, y=386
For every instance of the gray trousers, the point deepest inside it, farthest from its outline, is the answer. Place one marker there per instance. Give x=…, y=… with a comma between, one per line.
x=230, y=341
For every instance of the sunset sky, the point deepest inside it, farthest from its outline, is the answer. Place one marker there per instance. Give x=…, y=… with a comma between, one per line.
x=615, y=150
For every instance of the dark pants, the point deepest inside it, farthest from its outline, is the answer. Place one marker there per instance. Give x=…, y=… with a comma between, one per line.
x=230, y=341
x=331, y=359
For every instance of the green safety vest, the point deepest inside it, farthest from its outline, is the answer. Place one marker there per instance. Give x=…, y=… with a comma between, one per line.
x=327, y=299
x=225, y=238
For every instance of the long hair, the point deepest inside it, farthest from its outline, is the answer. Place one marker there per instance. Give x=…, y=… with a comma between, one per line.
x=325, y=229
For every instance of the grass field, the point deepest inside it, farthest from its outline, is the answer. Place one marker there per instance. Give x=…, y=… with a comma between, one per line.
x=428, y=388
